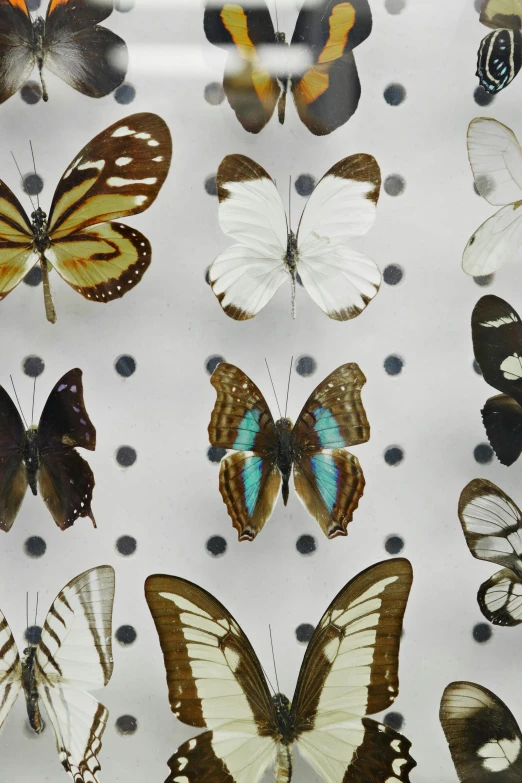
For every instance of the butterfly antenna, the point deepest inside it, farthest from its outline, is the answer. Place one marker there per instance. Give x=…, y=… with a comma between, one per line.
x=266, y=677
x=36, y=610
x=32, y=407
x=290, y=202
x=276, y=16
x=35, y=174
x=273, y=658
x=27, y=610
x=273, y=387
x=288, y=387
x=18, y=401
x=22, y=178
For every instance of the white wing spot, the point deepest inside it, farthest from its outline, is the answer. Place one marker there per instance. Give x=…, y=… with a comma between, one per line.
x=192, y=744
x=139, y=200
x=123, y=161
x=62, y=386
x=121, y=182
x=153, y=143
x=123, y=131
x=182, y=763
x=143, y=135
x=506, y=319
x=158, y=159
x=499, y=755
x=512, y=367
x=92, y=164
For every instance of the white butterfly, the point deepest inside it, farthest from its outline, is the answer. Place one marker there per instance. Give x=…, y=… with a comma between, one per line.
x=340, y=280
x=496, y=161
x=74, y=655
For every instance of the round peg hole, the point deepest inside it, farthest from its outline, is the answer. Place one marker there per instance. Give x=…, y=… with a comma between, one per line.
x=33, y=366
x=126, y=545
x=126, y=456
x=304, y=632
x=35, y=546
x=216, y=546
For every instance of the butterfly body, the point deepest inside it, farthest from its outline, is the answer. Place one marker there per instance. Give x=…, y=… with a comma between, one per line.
x=31, y=459
x=30, y=687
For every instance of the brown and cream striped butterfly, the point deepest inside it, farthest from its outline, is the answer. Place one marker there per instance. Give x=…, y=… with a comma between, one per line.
x=349, y=671
x=120, y=172
x=74, y=655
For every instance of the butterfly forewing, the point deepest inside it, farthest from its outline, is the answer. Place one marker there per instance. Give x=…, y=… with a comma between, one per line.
x=483, y=736
x=65, y=479
x=16, y=239
x=350, y=669
x=215, y=681
x=75, y=654
x=13, y=479
x=16, y=39
x=495, y=157
x=497, y=343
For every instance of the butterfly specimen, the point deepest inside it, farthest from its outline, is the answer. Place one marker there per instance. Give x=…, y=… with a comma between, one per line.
x=496, y=161
x=483, y=736
x=120, y=172
x=497, y=343
x=45, y=456
x=350, y=670
x=343, y=205
x=73, y=655
x=492, y=525
x=69, y=42
x=326, y=91
x=500, y=52
x=327, y=478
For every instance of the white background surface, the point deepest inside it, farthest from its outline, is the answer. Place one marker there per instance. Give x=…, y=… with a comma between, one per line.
x=171, y=323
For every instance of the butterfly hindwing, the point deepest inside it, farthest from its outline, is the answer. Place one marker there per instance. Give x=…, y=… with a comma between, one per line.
x=90, y=58
x=251, y=90
x=249, y=485
x=501, y=13
x=500, y=598
x=10, y=670
x=350, y=669
x=215, y=681
x=65, y=479
x=483, y=736
x=327, y=93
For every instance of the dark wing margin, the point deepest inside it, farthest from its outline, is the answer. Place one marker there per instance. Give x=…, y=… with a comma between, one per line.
x=65, y=479
x=91, y=59
x=327, y=93
x=350, y=669
x=13, y=479
x=483, y=736
x=16, y=38
x=251, y=90
x=500, y=598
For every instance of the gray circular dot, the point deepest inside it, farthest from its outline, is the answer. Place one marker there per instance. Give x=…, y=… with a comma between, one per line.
x=125, y=365
x=393, y=364
x=126, y=724
x=305, y=366
x=392, y=274
x=35, y=546
x=33, y=5
x=482, y=632
x=125, y=94
x=214, y=93
x=31, y=92
x=394, y=185
x=33, y=634
x=215, y=454
x=33, y=366
x=304, y=632
x=126, y=545
x=211, y=185
x=395, y=6
x=394, y=544
x=393, y=455
x=483, y=453
x=123, y=6
x=306, y=545
x=394, y=94
x=212, y=362
x=32, y=184
x=126, y=456
x=216, y=546
x=484, y=280
x=305, y=184
x=483, y=97
x=394, y=720
x=126, y=634
x=478, y=5
x=33, y=277
x=476, y=367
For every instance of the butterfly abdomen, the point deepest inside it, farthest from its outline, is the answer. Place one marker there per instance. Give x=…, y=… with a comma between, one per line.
x=284, y=454
x=30, y=456
x=31, y=690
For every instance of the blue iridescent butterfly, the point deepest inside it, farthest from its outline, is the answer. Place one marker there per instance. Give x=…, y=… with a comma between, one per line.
x=327, y=478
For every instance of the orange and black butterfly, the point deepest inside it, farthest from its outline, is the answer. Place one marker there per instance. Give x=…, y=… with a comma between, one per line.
x=120, y=172
x=326, y=92
x=44, y=457
x=69, y=42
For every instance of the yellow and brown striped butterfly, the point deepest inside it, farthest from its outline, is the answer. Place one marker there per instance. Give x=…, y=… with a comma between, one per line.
x=326, y=90
x=120, y=172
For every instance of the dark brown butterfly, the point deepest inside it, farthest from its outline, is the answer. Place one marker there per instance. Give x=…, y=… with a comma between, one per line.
x=349, y=671
x=44, y=456
x=483, y=736
x=327, y=478
x=120, y=172
x=497, y=342
x=69, y=42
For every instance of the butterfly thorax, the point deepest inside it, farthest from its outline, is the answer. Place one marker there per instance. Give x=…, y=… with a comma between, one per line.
x=40, y=231
x=291, y=253
x=38, y=40
x=285, y=458
x=30, y=457
x=31, y=690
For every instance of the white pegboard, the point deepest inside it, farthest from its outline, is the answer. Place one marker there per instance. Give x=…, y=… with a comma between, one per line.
x=171, y=323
